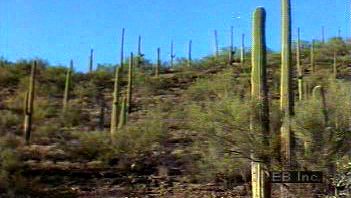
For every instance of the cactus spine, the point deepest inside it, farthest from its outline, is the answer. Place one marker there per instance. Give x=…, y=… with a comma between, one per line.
x=67, y=87
x=130, y=84
x=123, y=113
x=91, y=59
x=216, y=44
x=158, y=64
x=259, y=95
x=231, y=48
x=172, y=54
x=299, y=66
x=114, y=113
x=286, y=92
x=242, y=51
x=29, y=102
x=189, y=53
x=313, y=66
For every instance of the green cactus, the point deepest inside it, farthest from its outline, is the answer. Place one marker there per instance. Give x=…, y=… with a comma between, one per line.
x=158, y=64
x=123, y=113
x=299, y=66
x=140, y=54
x=216, y=44
x=67, y=87
x=231, y=48
x=318, y=93
x=91, y=59
x=29, y=102
x=313, y=65
x=189, y=53
x=172, y=54
x=122, y=49
x=286, y=91
x=242, y=51
x=115, y=112
x=130, y=84
x=259, y=97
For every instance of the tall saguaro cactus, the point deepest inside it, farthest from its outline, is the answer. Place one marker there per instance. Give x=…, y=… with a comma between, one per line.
x=242, y=51
x=115, y=102
x=158, y=64
x=122, y=49
x=172, y=53
x=91, y=60
x=286, y=91
x=189, y=53
x=231, y=48
x=299, y=66
x=130, y=84
x=123, y=113
x=216, y=44
x=259, y=97
x=140, y=55
x=29, y=102
x=67, y=87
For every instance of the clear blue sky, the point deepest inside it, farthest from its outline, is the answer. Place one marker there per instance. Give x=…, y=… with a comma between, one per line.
x=60, y=30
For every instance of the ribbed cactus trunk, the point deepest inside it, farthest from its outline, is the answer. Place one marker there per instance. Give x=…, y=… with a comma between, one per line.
x=318, y=93
x=242, y=51
x=115, y=102
x=286, y=91
x=172, y=54
x=313, y=65
x=29, y=102
x=299, y=66
x=122, y=49
x=158, y=64
x=123, y=113
x=231, y=48
x=190, y=53
x=91, y=60
x=130, y=84
x=259, y=96
x=140, y=55
x=68, y=85
x=216, y=44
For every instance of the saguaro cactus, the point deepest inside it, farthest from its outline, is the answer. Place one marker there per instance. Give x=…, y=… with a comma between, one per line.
x=130, y=84
x=216, y=44
x=189, y=53
x=172, y=54
x=122, y=49
x=299, y=66
x=91, y=59
x=158, y=64
x=29, y=102
x=286, y=92
x=318, y=93
x=231, y=48
x=259, y=96
x=313, y=65
x=115, y=112
x=123, y=113
x=242, y=51
x=140, y=54
x=67, y=87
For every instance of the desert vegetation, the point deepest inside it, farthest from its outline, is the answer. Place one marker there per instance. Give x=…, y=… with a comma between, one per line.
x=209, y=127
